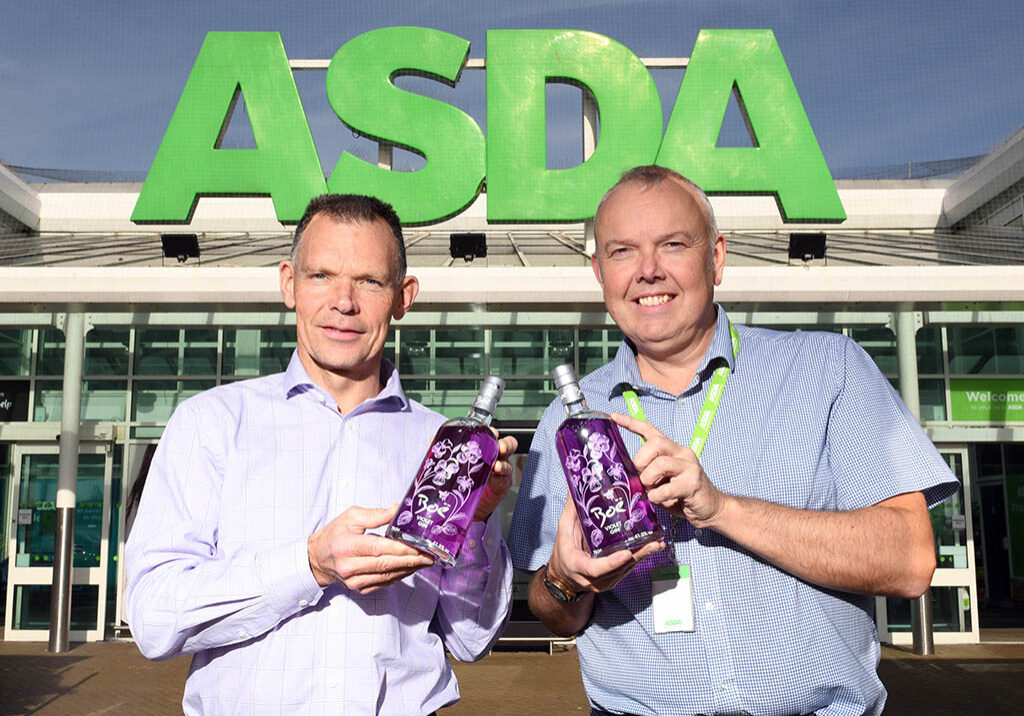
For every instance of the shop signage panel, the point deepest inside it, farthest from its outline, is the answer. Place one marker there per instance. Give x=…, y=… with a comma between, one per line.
x=785, y=160
x=13, y=400
x=991, y=400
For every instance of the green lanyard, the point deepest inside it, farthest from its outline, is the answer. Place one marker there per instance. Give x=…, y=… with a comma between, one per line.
x=711, y=401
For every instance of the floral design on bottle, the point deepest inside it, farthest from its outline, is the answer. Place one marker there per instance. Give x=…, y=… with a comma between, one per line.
x=612, y=508
x=449, y=476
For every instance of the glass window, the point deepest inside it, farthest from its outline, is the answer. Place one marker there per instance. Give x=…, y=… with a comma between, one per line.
x=951, y=610
x=932, y=393
x=101, y=400
x=929, y=350
x=176, y=351
x=252, y=351
x=972, y=350
x=50, y=360
x=32, y=605
x=442, y=352
x=155, y=400
x=880, y=344
x=526, y=399
x=15, y=352
x=530, y=352
x=597, y=347
x=949, y=522
x=451, y=398
x=106, y=352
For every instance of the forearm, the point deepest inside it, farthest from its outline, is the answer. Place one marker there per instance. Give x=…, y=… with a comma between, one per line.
x=475, y=596
x=180, y=602
x=560, y=618
x=884, y=549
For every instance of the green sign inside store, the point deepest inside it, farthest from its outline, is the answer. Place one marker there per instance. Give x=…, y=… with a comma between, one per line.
x=785, y=160
x=990, y=400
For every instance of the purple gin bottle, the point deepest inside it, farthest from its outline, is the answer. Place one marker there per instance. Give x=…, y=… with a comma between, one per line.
x=436, y=511
x=604, y=484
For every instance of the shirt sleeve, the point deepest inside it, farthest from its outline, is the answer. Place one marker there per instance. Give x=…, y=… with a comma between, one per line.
x=876, y=448
x=542, y=495
x=183, y=593
x=475, y=594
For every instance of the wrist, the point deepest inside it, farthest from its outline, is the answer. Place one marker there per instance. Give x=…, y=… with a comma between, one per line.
x=560, y=589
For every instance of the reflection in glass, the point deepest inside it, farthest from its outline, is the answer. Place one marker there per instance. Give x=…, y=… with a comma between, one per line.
x=32, y=606
x=15, y=352
x=951, y=611
x=155, y=400
x=38, y=493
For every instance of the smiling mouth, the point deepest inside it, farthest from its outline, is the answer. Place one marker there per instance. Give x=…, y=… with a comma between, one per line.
x=340, y=332
x=654, y=300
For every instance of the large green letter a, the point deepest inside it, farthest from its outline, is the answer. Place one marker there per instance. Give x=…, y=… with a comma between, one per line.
x=785, y=161
x=190, y=164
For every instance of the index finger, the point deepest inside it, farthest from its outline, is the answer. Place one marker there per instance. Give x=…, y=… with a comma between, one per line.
x=641, y=427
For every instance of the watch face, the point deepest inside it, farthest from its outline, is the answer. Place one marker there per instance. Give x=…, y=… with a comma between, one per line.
x=557, y=591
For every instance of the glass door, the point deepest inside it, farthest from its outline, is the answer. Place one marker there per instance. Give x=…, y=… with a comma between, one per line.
x=33, y=513
x=953, y=587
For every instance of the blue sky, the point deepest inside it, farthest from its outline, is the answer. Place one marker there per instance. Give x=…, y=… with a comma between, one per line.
x=92, y=85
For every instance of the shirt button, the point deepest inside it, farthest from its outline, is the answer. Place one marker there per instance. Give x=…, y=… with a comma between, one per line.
x=710, y=606
x=681, y=399
x=490, y=541
x=350, y=427
x=242, y=634
x=723, y=686
x=472, y=544
x=303, y=602
x=346, y=483
x=332, y=683
x=698, y=532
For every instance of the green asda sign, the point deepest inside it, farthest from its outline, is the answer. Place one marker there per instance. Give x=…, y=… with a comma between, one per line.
x=997, y=400
x=786, y=160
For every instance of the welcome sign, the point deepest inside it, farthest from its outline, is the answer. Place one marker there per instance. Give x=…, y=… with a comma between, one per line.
x=995, y=400
x=785, y=160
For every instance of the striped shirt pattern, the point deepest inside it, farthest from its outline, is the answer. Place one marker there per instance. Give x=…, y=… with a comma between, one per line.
x=217, y=563
x=807, y=421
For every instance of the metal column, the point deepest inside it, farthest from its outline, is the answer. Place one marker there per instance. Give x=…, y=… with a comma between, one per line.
x=907, y=323
x=67, y=481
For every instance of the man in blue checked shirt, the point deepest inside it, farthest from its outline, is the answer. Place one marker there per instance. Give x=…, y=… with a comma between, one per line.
x=255, y=549
x=810, y=495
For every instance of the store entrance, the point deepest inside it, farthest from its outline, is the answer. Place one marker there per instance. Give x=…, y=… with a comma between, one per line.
x=999, y=533
x=30, y=542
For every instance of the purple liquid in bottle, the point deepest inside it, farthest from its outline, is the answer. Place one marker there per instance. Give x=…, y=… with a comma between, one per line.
x=605, y=487
x=439, y=506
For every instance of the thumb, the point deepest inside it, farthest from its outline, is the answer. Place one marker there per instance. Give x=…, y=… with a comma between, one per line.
x=363, y=518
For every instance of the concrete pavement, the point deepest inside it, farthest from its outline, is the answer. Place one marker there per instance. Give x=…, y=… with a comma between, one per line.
x=112, y=678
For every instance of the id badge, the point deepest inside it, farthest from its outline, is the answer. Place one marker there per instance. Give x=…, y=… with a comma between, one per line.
x=672, y=599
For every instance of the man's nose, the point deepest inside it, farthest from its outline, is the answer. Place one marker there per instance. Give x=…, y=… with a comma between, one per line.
x=344, y=298
x=649, y=268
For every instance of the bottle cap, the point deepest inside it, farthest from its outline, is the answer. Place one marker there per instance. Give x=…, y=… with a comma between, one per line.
x=489, y=394
x=567, y=383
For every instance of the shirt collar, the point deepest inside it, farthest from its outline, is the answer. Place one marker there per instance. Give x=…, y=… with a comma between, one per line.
x=626, y=372
x=296, y=381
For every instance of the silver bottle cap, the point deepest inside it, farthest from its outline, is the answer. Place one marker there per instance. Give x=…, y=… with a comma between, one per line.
x=567, y=384
x=489, y=394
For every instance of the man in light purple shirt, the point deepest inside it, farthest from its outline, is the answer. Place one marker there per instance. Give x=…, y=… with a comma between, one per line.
x=253, y=548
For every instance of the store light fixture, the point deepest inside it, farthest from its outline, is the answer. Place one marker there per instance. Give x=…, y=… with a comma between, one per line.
x=467, y=246
x=180, y=246
x=807, y=246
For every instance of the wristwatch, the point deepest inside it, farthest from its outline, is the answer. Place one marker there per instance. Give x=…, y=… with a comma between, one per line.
x=560, y=590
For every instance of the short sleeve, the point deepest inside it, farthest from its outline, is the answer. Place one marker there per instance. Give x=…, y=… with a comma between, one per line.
x=876, y=448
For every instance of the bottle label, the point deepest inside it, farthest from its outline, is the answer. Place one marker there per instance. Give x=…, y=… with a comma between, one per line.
x=435, y=504
x=601, y=488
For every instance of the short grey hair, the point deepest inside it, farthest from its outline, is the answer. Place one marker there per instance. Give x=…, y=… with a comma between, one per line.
x=652, y=175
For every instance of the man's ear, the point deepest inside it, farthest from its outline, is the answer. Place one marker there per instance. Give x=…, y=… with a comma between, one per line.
x=286, y=277
x=594, y=264
x=407, y=293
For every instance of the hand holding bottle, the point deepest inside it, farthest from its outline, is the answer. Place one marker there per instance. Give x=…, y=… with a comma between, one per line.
x=342, y=552
x=500, y=481
x=673, y=476
x=571, y=562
